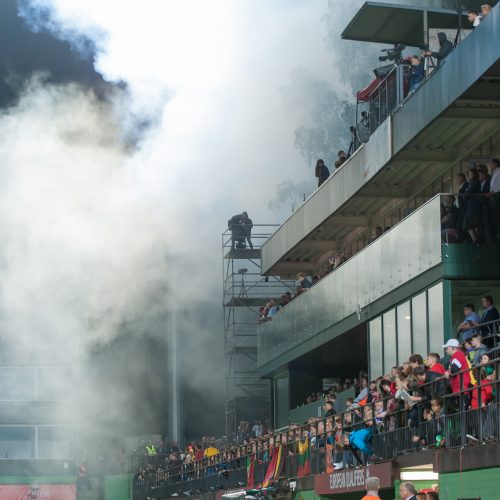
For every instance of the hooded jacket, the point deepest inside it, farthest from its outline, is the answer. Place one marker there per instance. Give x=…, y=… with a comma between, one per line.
x=431, y=375
x=445, y=48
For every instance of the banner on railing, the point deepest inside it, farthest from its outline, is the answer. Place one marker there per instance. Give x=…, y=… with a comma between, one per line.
x=348, y=480
x=251, y=471
x=329, y=458
x=52, y=491
x=275, y=466
x=304, y=459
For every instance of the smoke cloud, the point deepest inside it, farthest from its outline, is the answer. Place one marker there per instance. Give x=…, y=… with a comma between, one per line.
x=102, y=238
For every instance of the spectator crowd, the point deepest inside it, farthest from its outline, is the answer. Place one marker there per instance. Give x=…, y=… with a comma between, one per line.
x=432, y=401
x=470, y=216
x=474, y=214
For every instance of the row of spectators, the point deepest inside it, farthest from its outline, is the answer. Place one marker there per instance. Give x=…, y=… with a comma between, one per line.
x=331, y=394
x=322, y=172
x=473, y=215
x=474, y=324
x=417, y=63
x=423, y=398
x=476, y=17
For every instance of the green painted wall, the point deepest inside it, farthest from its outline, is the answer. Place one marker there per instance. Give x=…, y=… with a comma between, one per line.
x=469, y=261
x=306, y=495
x=118, y=487
x=37, y=479
x=484, y=484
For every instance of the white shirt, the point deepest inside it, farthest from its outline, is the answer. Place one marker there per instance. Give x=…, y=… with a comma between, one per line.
x=477, y=21
x=495, y=181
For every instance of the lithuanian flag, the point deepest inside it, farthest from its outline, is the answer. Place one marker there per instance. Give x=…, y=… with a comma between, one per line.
x=304, y=459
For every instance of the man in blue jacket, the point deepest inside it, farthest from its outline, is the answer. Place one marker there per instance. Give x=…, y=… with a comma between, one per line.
x=417, y=72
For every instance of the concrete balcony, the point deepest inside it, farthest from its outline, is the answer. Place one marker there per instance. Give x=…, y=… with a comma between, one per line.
x=449, y=115
x=404, y=260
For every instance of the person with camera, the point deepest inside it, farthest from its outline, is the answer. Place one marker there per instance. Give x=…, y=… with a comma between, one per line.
x=445, y=48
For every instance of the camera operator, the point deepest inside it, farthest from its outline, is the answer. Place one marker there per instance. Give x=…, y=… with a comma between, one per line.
x=445, y=48
x=417, y=72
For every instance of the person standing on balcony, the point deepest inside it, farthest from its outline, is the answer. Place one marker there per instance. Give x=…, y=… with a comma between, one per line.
x=247, y=226
x=445, y=48
x=474, y=18
x=485, y=10
x=470, y=318
x=459, y=369
x=417, y=72
x=494, y=197
x=478, y=348
x=342, y=158
x=472, y=218
x=303, y=281
x=490, y=314
x=321, y=171
x=485, y=180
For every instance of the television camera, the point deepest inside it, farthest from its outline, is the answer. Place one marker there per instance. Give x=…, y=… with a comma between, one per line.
x=394, y=54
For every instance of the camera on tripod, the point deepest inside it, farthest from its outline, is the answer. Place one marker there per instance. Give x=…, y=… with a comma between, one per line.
x=394, y=54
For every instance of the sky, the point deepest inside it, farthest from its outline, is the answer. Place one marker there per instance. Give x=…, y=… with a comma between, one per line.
x=126, y=155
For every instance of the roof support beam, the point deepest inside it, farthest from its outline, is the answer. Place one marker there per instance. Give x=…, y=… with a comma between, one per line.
x=380, y=191
x=422, y=155
x=318, y=245
x=284, y=268
x=350, y=220
x=473, y=113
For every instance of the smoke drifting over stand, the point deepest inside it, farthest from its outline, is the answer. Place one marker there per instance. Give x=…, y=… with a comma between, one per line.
x=104, y=239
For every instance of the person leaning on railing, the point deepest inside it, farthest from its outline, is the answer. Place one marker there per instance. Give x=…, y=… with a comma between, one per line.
x=366, y=428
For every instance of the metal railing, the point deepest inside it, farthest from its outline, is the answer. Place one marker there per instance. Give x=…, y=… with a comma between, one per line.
x=462, y=418
x=258, y=234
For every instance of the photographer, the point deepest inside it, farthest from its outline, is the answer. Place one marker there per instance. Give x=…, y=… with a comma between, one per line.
x=417, y=72
x=445, y=48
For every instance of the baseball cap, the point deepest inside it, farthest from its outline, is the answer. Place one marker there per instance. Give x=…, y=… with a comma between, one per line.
x=452, y=343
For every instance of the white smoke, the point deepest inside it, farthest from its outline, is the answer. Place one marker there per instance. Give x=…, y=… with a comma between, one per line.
x=94, y=233
x=83, y=250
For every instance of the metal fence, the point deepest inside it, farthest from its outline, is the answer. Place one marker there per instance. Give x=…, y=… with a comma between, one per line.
x=396, y=427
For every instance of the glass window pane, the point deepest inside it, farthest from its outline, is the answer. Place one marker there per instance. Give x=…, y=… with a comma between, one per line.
x=390, y=355
x=282, y=404
x=419, y=323
x=55, y=442
x=436, y=321
x=56, y=383
x=17, y=383
x=376, y=365
x=404, y=332
x=17, y=443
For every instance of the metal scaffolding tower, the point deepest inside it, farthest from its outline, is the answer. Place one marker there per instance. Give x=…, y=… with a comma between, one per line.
x=244, y=292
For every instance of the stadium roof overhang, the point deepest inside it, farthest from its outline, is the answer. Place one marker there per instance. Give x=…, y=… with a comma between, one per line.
x=393, y=24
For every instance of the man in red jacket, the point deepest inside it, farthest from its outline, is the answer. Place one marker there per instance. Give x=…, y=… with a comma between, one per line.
x=434, y=374
x=459, y=369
